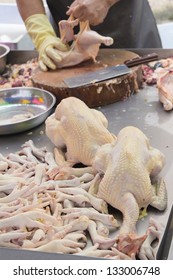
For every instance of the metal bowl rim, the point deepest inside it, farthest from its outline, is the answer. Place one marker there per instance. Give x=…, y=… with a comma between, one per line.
x=7, y=50
x=36, y=116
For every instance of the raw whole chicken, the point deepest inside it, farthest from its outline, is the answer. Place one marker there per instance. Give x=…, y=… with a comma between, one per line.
x=130, y=167
x=79, y=129
x=85, y=44
x=165, y=87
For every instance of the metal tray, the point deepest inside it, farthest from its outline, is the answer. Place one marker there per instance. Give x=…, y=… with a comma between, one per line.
x=142, y=110
x=23, y=108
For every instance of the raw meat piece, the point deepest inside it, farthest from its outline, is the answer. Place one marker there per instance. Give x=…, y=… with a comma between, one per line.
x=165, y=88
x=18, y=75
x=85, y=44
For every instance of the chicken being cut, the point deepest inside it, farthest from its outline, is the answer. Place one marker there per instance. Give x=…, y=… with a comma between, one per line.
x=79, y=129
x=85, y=45
x=165, y=87
x=130, y=183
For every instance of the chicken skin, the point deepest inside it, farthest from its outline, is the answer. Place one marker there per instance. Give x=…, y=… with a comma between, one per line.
x=164, y=85
x=85, y=45
x=130, y=167
x=79, y=129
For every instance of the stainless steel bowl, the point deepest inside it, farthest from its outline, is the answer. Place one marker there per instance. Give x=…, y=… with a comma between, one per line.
x=23, y=108
x=4, y=50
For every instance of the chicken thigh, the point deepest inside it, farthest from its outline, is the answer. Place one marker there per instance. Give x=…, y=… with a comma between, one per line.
x=130, y=167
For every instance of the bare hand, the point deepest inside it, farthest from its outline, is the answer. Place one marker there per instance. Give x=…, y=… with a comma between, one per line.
x=94, y=11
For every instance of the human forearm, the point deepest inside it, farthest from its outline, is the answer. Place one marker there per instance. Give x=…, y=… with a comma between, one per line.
x=29, y=8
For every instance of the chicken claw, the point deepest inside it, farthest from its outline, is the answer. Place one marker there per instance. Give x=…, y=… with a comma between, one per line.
x=104, y=242
x=148, y=250
x=61, y=246
x=76, y=236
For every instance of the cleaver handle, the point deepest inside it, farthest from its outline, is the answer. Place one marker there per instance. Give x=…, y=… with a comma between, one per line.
x=140, y=60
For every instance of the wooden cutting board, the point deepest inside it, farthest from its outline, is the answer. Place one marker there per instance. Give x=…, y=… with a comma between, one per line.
x=97, y=94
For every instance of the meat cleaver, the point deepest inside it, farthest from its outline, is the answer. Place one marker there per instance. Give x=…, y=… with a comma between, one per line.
x=97, y=76
x=107, y=73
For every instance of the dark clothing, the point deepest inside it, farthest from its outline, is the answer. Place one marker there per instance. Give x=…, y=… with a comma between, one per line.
x=129, y=22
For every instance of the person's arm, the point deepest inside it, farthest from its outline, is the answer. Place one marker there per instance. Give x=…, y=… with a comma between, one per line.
x=29, y=8
x=94, y=11
x=41, y=33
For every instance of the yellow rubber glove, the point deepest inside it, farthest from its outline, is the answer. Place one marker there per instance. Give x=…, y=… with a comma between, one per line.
x=45, y=40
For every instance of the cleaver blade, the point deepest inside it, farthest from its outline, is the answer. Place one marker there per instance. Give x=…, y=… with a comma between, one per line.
x=97, y=76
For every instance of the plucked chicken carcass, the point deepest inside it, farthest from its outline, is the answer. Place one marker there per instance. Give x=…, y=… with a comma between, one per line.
x=85, y=45
x=165, y=87
x=130, y=167
x=161, y=73
x=79, y=129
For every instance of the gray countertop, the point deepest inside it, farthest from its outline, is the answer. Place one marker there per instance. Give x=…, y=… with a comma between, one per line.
x=142, y=110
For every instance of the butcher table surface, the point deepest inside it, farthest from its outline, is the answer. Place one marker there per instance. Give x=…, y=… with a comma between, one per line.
x=142, y=110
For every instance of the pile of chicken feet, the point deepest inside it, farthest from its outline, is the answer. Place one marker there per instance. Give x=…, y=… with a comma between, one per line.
x=48, y=204
x=51, y=215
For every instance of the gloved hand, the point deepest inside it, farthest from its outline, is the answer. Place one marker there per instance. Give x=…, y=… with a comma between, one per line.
x=94, y=11
x=45, y=41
